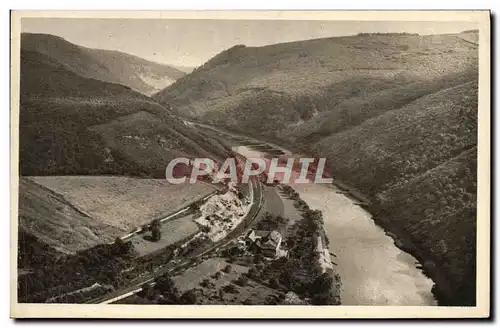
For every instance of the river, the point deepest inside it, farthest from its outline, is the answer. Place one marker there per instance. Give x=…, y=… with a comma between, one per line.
x=372, y=269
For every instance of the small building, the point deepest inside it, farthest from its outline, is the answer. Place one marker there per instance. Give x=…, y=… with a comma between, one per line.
x=269, y=242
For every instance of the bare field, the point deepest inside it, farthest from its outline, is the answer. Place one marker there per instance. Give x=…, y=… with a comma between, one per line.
x=123, y=202
x=172, y=231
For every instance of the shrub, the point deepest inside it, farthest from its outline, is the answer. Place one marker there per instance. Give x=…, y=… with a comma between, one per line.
x=228, y=268
x=188, y=297
x=230, y=289
x=166, y=286
x=155, y=230
x=206, y=283
x=274, y=283
x=258, y=258
x=242, y=281
x=252, y=273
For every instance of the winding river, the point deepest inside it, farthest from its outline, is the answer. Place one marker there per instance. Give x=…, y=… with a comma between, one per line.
x=373, y=270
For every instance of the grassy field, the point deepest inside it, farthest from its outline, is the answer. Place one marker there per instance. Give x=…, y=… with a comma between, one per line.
x=192, y=277
x=123, y=202
x=172, y=231
x=210, y=283
x=56, y=223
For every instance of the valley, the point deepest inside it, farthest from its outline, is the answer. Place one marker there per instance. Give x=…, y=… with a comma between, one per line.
x=394, y=114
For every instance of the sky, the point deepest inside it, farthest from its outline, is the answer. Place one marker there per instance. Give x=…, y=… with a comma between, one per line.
x=191, y=42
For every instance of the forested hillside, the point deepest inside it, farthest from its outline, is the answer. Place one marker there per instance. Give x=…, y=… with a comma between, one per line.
x=394, y=114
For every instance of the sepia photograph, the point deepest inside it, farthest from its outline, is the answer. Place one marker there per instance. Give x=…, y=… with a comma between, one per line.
x=250, y=164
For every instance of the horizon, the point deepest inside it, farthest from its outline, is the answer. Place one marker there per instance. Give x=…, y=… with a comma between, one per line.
x=202, y=39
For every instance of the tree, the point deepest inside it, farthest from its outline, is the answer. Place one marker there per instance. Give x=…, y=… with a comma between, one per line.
x=323, y=289
x=274, y=283
x=206, y=283
x=194, y=206
x=146, y=292
x=252, y=273
x=242, y=281
x=258, y=258
x=230, y=289
x=228, y=268
x=156, y=230
x=188, y=297
x=166, y=286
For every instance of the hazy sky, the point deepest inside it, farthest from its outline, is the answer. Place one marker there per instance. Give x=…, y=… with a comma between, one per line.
x=189, y=42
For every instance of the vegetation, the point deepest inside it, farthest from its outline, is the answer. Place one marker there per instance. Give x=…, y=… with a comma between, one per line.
x=64, y=274
x=156, y=230
x=270, y=222
x=389, y=111
x=241, y=281
x=71, y=124
x=188, y=297
x=300, y=271
x=109, y=66
x=163, y=291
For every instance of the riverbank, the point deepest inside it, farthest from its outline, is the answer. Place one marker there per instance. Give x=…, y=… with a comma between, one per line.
x=360, y=238
x=442, y=290
x=310, y=231
x=428, y=264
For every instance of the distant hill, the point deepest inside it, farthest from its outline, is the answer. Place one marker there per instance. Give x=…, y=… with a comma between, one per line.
x=185, y=69
x=110, y=66
x=59, y=110
x=275, y=89
x=394, y=114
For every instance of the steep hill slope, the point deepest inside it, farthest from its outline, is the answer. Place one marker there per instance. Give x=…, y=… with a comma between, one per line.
x=386, y=151
x=437, y=210
x=275, y=88
x=58, y=109
x=56, y=223
x=110, y=66
x=418, y=164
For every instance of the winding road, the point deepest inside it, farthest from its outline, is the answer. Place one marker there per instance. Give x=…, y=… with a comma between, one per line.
x=256, y=206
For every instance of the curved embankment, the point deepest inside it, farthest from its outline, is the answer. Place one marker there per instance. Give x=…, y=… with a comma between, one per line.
x=373, y=270
x=326, y=286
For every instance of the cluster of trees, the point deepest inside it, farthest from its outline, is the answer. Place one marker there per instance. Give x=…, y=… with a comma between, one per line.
x=272, y=222
x=438, y=209
x=164, y=291
x=300, y=271
x=32, y=252
x=102, y=263
x=194, y=245
x=290, y=192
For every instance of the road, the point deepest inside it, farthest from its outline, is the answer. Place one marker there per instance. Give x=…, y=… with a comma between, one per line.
x=257, y=203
